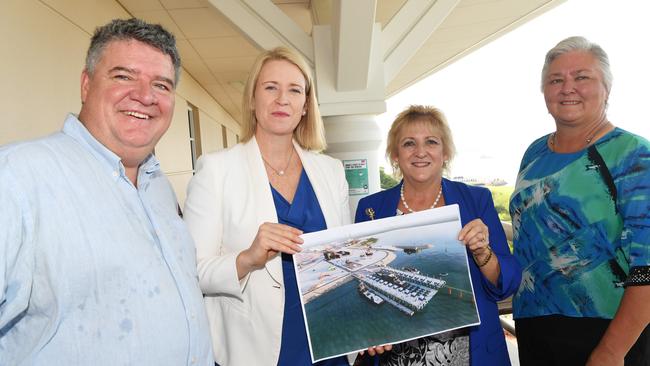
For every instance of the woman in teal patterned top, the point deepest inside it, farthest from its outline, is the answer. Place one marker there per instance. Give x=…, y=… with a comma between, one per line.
x=581, y=224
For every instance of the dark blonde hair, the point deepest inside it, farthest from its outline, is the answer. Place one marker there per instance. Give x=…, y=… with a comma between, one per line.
x=414, y=114
x=310, y=133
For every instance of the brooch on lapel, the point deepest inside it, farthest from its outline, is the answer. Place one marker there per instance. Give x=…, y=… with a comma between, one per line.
x=370, y=213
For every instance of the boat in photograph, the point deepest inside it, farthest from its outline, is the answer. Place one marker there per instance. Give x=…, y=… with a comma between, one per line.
x=374, y=298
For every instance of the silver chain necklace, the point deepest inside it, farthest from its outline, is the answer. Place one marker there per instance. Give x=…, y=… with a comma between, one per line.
x=588, y=140
x=280, y=172
x=410, y=210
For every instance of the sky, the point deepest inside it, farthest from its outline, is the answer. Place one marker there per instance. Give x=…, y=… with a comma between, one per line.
x=492, y=98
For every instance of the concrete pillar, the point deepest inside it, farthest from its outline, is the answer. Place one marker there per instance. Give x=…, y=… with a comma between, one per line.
x=355, y=140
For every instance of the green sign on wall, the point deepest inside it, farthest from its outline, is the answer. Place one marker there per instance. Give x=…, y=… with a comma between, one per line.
x=356, y=173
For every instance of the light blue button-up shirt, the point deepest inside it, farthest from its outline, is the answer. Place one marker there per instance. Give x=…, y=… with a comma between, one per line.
x=93, y=271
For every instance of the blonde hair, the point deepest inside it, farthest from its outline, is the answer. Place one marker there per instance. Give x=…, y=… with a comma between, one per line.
x=419, y=113
x=310, y=133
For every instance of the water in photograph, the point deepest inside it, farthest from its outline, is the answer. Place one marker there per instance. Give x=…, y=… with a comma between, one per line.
x=342, y=320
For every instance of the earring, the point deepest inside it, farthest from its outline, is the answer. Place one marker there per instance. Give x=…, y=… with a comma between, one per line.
x=304, y=112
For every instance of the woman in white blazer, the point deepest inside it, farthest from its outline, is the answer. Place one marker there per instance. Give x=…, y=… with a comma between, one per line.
x=247, y=206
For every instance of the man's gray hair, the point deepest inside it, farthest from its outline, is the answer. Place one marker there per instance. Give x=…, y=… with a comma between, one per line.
x=580, y=44
x=153, y=35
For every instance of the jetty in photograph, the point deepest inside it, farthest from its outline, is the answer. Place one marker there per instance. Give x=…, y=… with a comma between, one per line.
x=407, y=289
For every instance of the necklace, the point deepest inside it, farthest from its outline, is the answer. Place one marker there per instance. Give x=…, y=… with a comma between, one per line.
x=280, y=172
x=401, y=194
x=588, y=140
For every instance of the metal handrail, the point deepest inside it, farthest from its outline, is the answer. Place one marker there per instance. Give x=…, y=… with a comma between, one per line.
x=507, y=227
x=508, y=325
x=505, y=305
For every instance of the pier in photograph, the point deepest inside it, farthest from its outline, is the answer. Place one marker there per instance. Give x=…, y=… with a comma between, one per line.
x=406, y=289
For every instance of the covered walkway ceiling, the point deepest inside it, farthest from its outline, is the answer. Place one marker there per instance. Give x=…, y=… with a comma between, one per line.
x=355, y=43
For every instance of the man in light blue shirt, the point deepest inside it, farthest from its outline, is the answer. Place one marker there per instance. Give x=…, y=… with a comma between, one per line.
x=96, y=266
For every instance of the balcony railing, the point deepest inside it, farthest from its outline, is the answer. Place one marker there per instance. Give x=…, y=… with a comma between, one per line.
x=505, y=306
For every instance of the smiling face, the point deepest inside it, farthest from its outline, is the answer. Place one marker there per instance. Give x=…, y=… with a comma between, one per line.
x=574, y=91
x=279, y=99
x=420, y=154
x=128, y=101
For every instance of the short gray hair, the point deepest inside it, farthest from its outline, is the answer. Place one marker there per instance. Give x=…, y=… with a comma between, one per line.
x=153, y=35
x=578, y=43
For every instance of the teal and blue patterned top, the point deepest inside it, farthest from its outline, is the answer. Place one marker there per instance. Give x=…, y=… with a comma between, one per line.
x=582, y=229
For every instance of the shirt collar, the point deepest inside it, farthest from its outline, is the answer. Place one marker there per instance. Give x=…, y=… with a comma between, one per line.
x=78, y=132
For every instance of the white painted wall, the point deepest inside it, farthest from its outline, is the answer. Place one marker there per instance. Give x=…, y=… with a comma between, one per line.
x=45, y=45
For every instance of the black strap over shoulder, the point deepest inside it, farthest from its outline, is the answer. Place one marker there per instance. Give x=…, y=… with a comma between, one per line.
x=595, y=156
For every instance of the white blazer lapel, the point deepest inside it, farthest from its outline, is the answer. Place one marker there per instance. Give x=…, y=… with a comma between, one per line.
x=264, y=198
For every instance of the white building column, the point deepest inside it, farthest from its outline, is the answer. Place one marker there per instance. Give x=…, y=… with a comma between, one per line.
x=355, y=139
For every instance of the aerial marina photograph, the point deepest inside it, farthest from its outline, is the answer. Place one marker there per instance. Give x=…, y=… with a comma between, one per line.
x=388, y=287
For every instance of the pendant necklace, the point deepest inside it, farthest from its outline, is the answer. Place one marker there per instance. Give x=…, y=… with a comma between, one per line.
x=588, y=140
x=280, y=172
x=401, y=194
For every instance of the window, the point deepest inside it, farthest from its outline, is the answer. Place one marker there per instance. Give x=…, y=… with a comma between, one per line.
x=224, y=136
x=195, y=133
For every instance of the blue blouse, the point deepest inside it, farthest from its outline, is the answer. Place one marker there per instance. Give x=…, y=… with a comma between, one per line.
x=303, y=213
x=581, y=226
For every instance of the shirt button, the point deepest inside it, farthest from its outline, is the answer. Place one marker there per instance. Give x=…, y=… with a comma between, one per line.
x=193, y=360
x=193, y=315
x=115, y=174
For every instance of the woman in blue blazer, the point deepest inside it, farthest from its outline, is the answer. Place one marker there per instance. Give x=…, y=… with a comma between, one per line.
x=420, y=147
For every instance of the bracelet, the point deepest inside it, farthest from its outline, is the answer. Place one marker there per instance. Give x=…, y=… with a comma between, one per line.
x=486, y=260
x=639, y=276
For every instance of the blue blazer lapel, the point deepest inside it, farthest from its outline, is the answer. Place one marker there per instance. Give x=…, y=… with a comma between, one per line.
x=453, y=194
x=385, y=203
x=390, y=202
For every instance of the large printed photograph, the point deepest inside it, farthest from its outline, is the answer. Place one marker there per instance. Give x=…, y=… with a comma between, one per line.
x=384, y=281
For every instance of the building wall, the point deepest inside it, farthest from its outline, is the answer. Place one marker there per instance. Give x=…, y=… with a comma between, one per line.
x=44, y=47
x=211, y=135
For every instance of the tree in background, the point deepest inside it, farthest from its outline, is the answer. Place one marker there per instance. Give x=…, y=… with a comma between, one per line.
x=386, y=180
x=501, y=198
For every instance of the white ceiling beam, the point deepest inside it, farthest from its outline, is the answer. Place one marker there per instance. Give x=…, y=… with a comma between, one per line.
x=332, y=101
x=266, y=25
x=401, y=23
x=409, y=30
x=352, y=32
